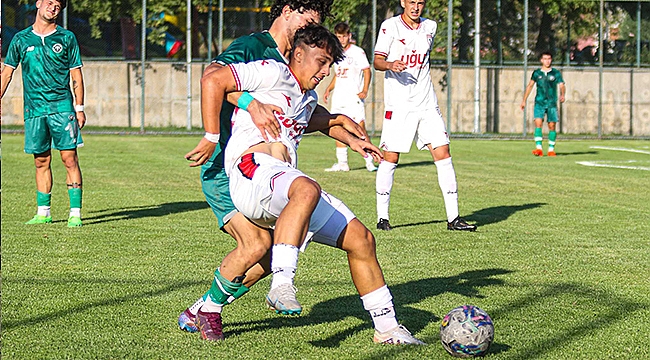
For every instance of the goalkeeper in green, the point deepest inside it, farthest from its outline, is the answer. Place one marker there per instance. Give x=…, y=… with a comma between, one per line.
x=547, y=80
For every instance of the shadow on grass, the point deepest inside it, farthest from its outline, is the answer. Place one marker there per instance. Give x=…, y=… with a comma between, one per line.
x=410, y=293
x=137, y=212
x=39, y=319
x=577, y=153
x=486, y=216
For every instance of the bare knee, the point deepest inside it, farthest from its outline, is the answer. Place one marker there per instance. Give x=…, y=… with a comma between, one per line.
x=358, y=241
x=304, y=190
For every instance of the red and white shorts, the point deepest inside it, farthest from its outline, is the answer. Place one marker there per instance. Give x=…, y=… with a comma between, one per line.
x=403, y=125
x=259, y=186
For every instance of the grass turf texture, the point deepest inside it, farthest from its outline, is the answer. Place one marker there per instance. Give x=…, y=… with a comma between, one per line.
x=560, y=260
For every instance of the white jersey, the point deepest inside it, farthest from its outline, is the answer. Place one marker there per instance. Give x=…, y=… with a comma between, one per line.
x=411, y=88
x=269, y=82
x=349, y=76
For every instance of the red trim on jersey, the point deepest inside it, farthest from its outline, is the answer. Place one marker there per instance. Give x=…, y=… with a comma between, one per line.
x=247, y=166
x=401, y=17
x=389, y=115
x=381, y=53
x=275, y=177
x=236, y=76
x=295, y=77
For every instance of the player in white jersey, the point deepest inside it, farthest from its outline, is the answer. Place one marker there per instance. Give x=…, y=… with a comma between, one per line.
x=268, y=189
x=411, y=108
x=352, y=78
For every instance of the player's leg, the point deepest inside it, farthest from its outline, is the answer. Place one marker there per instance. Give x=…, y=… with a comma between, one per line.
x=37, y=142
x=341, y=158
x=433, y=135
x=383, y=187
x=539, y=121
x=343, y=230
x=552, y=118
x=73, y=180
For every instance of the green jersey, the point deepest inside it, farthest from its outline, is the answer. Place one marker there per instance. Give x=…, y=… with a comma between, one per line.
x=257, y=46
x=547, y=87
x=46, y=63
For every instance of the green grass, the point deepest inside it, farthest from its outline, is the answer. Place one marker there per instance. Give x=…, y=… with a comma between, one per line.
x=560, y=261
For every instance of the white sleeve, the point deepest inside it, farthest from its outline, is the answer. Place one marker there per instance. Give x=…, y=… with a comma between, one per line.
x=256, y=76
x=362, y=60
x=384, y=39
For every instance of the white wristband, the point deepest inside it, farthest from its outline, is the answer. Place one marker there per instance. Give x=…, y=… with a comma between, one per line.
x=78, y=108
x=213, y=138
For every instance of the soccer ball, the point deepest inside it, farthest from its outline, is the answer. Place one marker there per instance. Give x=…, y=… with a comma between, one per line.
x=467, y=331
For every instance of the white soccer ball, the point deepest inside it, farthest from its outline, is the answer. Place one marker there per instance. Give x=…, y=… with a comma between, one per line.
x=467, y=331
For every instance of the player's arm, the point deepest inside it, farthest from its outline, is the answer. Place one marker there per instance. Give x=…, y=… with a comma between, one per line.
x=78, y=90
x=529, y=88
x=381, y=64
x=214, y=86
x=367, y=76
x=7, y=74
x=562, y=92
x=329, y=89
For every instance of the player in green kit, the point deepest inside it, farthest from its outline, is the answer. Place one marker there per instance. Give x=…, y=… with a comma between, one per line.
x=547, y=80
x=49, y=55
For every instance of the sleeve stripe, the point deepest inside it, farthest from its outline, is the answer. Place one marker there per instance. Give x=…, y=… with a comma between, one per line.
x=13, y=67
x=236, y=75
x=381, y=53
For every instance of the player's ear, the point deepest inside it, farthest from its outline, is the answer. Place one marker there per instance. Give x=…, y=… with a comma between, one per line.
x=286, y=11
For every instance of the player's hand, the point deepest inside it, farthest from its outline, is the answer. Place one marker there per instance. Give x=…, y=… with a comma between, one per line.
x=263, y=116
x=326, y=96
x=362, y=95
x=523, y=105
x=562, y=98
x=201, y=153
x=397, y=66
x=366, y=148
x=81, y=119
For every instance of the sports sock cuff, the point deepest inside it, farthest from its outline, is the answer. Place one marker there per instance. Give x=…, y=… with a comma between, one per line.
x=239, y=293
x=443, y=162
x=377, y=299
x=43, y=199
x=75, y=195
x=386, y=166
x=222, y=290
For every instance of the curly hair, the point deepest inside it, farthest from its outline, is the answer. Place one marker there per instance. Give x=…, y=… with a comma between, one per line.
x=318, y=36
x=322, y=7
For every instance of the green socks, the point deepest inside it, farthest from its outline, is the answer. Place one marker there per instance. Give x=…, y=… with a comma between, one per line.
x=552, y=135
x=538, y=138
x=224, y=291
x=75, y=197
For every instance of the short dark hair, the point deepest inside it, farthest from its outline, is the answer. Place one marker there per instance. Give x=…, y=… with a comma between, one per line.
x=547, y=52
x=322, y=7
x=318, y=36
x=342, y=28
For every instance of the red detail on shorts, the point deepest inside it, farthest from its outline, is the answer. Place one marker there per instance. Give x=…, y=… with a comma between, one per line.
x=247, y=166
x=389, y=115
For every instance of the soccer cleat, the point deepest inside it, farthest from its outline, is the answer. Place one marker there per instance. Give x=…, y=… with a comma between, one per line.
x=40, y=219
x=338, y=167
x=74, y=221
x=538, y=152
x=460, y=224
x=209, y=323
x=551, y=153
x=371, y=167
x=397, y=336
x=187, y=321
x=283, y=300
x=384, y=225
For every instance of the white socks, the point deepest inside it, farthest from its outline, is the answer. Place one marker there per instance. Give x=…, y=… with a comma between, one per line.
x=383, y=185
x=342, y=155
x=284, y=262
x=75, y=212
x=43, y=211
x=379, y=304
x=448, y=186
x=197, y=305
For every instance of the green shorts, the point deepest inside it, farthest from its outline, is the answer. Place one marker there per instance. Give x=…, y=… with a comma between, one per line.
x=216, y=189
x=550, y=112
x=58, y=131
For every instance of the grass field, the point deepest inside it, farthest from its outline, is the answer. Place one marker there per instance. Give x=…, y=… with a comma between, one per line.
x=561, y=260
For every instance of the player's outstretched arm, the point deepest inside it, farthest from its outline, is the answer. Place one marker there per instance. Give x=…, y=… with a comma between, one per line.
x=7, y=74
x=322, y=120
x=381, y=64
x=214, y=87
x=529, y=88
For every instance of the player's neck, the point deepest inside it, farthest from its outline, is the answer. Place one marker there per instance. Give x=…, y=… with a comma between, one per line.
x=546, y=69
x=43, y=27
x=410, y=22
x=281, y=38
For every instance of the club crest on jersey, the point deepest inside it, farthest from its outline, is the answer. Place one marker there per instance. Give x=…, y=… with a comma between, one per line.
x=551, y=78
x=57, y=48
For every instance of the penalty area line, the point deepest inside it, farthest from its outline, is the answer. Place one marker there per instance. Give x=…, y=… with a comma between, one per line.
x=620, y=149
x=597, y=164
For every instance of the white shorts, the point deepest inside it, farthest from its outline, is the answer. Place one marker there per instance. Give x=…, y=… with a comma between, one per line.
x=402, y=126
x=354, y=110
x=259, y=186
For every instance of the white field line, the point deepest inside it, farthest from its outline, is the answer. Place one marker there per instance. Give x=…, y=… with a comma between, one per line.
x=621, y=149
x=610, y=164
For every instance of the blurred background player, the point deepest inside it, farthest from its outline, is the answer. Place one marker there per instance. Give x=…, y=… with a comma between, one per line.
x=352, y=78
x=49, y=55
x=547, y=80
x=411, y=108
